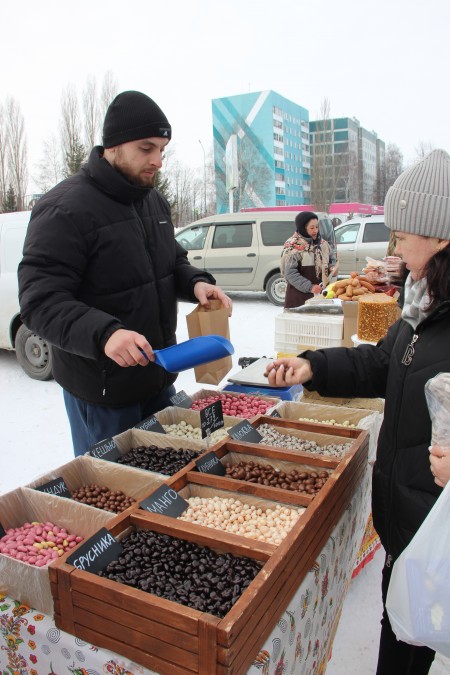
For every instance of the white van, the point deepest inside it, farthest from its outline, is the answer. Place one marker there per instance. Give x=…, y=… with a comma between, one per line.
x=242, y=250
x=358, y=239
x=32, y=352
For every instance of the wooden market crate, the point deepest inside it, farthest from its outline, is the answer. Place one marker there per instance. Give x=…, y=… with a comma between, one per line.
x=173, y=639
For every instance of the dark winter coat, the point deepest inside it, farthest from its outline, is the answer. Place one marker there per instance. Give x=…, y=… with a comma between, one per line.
x=403, y=487
x=100, y=255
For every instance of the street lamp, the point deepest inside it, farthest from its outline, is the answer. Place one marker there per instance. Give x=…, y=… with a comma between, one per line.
x=204, y=178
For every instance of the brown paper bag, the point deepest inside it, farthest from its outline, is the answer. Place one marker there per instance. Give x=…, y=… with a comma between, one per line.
x=212, y=321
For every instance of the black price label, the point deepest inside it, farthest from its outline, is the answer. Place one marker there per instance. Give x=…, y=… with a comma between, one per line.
x=211, y=418
x=165, y=500
x=210, y=463
x=181, y=399
x=56, y=487
x=96, y=552
x=2, y=531
x=275, y=413
x=244, y=431
x=151, y=424
x=106, y=449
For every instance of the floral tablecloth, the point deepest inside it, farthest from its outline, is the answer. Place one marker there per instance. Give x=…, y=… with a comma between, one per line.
x=300, y=644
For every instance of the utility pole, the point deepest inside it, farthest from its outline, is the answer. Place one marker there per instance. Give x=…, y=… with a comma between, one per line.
x=204, y=178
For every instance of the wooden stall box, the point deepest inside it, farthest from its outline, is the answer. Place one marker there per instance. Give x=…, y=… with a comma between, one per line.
x=174, y=639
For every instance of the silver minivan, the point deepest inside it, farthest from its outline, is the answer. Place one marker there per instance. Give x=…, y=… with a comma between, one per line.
x=242, y=250
x=33, y=353
x=358, y=239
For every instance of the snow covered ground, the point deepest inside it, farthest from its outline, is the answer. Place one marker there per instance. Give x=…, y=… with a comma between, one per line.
x=35, y=437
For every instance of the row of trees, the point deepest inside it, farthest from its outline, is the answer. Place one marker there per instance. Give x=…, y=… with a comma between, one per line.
x=80, y=127
x=191, y=193
x=13, y=157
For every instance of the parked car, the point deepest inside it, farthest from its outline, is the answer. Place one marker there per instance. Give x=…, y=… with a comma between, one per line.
x=358, y=239
x=33, y=353
x=242, y=250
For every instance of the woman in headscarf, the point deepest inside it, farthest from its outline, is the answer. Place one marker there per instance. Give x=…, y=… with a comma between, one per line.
x=305, y=261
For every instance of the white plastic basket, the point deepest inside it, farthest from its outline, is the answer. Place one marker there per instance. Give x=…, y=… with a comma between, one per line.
x=295, y=330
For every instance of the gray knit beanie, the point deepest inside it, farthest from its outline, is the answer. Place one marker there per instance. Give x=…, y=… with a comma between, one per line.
x=419, y=200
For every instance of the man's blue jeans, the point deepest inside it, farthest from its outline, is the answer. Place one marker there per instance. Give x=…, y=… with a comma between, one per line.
x=91, y=423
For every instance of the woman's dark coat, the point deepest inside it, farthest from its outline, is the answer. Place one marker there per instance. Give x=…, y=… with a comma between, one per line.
x=403, y=487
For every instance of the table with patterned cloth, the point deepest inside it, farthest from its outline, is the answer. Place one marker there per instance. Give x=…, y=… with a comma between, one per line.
x=300, y=643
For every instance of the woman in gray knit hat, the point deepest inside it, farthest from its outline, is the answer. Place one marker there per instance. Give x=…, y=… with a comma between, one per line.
x=407, y=479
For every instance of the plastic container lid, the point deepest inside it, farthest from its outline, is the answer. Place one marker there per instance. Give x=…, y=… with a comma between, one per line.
x=356, y=341
x=193, y=353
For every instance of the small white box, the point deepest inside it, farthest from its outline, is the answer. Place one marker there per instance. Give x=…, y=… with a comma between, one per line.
x=315, y=330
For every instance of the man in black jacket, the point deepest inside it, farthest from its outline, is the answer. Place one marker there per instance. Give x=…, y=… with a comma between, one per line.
x=101, y=275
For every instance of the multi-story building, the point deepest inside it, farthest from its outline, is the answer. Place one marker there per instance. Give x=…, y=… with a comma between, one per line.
x=270, y=160
x=352, y=157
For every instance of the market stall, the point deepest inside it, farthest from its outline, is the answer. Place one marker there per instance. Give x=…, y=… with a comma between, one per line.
x=286, y=616
x=301, y=638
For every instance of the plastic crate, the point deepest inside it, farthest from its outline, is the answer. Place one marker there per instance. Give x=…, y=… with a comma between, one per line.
x=293, y=331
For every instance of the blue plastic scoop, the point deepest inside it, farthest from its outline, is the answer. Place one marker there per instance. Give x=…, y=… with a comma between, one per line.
x=193, y=353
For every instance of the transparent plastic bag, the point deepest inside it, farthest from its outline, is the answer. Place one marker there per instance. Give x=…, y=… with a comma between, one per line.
x=418, y=599
x=437, y=393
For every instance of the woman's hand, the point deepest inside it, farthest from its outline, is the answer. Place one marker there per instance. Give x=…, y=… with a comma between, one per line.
x=440, y=464
x=316, y=288
x=283, y=372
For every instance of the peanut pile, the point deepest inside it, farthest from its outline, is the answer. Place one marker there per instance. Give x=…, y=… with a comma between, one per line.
x=331, y=422
x=231, y=515
x=185, y=430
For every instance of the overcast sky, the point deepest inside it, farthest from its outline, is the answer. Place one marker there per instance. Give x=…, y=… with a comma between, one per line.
x=385, y=62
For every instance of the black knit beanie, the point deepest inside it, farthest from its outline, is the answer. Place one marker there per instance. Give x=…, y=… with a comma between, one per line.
x=301, y=221
x=132, y=116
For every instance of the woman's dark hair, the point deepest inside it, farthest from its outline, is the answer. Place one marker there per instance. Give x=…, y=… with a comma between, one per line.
x=301, y=221
x=438, y=277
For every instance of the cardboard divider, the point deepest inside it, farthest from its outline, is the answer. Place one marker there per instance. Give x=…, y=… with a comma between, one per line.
x=370, y=420
x=28, y=583
x=134, y=438
x=174, y=415
x=85, y=470
x=206, y=393
x=356, y=402
x=322, y=434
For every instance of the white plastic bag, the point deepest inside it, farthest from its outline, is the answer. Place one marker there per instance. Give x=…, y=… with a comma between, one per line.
x=418, y=599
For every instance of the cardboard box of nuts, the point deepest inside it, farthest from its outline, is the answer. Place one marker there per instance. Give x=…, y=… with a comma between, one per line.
x=176, y=639
x=87, y=471
x=24, y=581
x=182, y=417
x=268, y=401
x=370, y=420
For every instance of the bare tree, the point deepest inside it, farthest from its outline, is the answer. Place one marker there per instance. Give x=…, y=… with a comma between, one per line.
x=423, y=149
x=393, y=164
x=91, y=114
x=3, y=153
x=72, y=147
x=186, y=189
x=16, y=151
x=109, y=91
x=50, y=168
x=324, y=174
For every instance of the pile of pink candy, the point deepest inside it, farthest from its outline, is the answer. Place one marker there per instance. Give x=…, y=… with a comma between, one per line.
x=37, y=543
